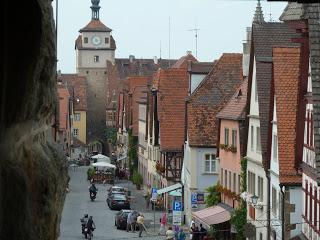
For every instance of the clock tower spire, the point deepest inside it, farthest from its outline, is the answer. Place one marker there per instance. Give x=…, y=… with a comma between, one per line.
x=95, y=9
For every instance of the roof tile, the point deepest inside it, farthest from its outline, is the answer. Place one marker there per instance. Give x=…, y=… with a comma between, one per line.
x=210, y=97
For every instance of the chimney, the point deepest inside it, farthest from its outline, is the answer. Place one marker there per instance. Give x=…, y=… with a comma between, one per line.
x=155, y=60
x=131, y=58
x=246, y=52
x=189, y=52
x=59, y=73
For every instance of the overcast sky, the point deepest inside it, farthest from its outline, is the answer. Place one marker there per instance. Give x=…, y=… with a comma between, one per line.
x=140, y=25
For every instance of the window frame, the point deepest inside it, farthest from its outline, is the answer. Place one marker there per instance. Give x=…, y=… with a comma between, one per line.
x=96, y=58
x=234, y=136
x=258, y=140
x=77, y=117
x=106, y=40
x=75, y=132
x=260, y=188
x=275, y=147
x=212, y=160
x=85, y=40
x=252, y=138
x=226, y=136
x=274, y=201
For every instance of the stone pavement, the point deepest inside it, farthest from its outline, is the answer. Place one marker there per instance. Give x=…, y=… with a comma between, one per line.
x=78, y=203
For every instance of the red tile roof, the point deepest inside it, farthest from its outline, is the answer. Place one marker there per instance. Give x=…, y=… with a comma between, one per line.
x=136, y=86
x=209, y=98
x=265, y=37
x=235, y=108
x=183, y=62
x=95, y=26
x=172, y=89
x=286, y=62
x=77, y=89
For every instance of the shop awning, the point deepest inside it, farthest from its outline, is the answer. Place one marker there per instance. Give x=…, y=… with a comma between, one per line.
x=169, y=189
x=212, y=215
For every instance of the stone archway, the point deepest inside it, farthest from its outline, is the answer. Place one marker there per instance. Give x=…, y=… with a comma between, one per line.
x=33, y=174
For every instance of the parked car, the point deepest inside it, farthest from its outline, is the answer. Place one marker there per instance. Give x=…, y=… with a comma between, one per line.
x=117, y=189
x=120, y=220
x=118, y=201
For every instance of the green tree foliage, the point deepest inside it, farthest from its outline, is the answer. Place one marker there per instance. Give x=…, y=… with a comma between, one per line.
x=90, y=173
x=111, y=135
x=214, y=196
x=132, y=152
x=137, y=178
x=239, y=216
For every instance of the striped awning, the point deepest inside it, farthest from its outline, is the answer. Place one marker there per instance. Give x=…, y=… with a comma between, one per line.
x=212, y=215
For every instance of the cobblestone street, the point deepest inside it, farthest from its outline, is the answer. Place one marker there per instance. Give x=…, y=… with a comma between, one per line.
x=78, y=203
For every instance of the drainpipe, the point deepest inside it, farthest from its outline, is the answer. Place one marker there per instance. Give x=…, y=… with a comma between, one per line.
x=268, y=205
x=282, y=211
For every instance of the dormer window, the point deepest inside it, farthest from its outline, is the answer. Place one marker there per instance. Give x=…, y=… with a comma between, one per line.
x=96, y=58
x=106, y=40
x=85, y=40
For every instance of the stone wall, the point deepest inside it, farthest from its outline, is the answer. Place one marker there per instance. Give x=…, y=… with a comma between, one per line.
x=96, y=103
x=33, y=173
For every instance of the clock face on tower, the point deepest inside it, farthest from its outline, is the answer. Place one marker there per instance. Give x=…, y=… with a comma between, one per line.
x=96, y=40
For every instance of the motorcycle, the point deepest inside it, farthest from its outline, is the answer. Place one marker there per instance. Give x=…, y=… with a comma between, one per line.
x=84, y=229
x=93, y=195
x=89, y=233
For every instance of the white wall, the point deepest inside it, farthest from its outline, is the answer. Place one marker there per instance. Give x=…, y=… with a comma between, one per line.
x=90, y=35
x=196, y=80
x=255, y=160
x=295, y=217
x=86, y=58
x=274, y=179
x=194, y=178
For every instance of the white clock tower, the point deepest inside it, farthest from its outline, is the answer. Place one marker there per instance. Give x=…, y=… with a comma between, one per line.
x=95, y=43
x=94, y=47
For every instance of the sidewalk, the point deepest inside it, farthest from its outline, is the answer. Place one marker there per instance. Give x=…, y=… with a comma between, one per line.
x=138, y=203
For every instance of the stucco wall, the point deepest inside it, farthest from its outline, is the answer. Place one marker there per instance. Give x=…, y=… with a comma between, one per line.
x=81, y=125
x=230, y=160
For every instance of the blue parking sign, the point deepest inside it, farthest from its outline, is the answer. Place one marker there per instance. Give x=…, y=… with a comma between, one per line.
x=177, y=206
x=194, y=199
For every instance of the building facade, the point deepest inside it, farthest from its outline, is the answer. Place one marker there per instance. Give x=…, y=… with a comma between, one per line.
x=94, y=47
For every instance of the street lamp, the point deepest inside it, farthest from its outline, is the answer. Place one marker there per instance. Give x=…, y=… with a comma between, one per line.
x=254, y=199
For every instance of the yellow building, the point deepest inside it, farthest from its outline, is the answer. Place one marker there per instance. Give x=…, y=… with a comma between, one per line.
x=77, y=89
x=79, y=125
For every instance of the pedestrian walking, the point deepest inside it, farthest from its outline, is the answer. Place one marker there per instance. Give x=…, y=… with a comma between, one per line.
x=130, y=222
x=181, y=235
x=195, y=232
x=170, y=234
x=192, y=225
x=203, y=232
x=163, y=224
x=140, y=221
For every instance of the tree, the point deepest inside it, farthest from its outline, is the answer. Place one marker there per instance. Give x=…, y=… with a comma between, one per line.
x=239, y=216
x=214, y=196
x=111, y=135
x=132, y=152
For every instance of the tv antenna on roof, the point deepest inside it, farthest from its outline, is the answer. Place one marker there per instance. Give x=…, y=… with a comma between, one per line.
x=195, y=30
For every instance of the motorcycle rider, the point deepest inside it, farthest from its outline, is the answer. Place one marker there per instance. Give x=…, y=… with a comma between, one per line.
x=90, y=225
x=93, y=189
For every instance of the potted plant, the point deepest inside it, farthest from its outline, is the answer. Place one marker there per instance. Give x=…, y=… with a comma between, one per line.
x=233, y=148
x=90, y=173
x=137, y=179
x=212, y=233
x=223, y=146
